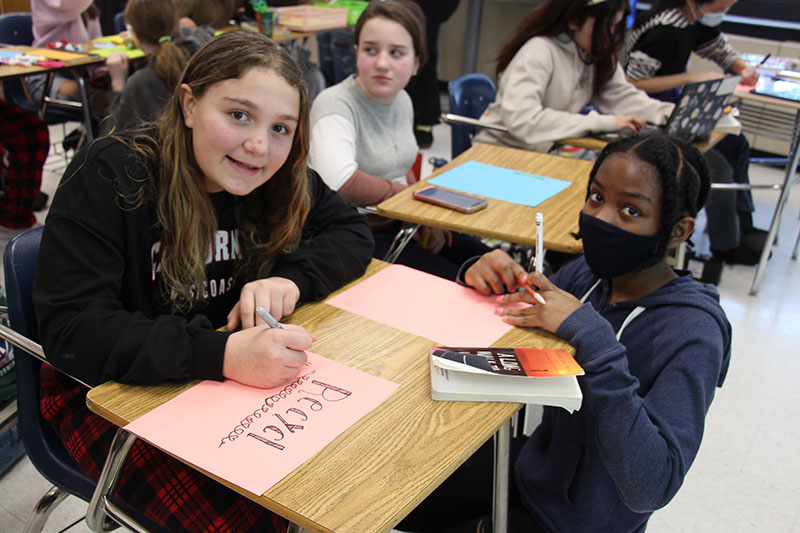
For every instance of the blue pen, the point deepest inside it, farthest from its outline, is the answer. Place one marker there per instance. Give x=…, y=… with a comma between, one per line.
x=268, y=318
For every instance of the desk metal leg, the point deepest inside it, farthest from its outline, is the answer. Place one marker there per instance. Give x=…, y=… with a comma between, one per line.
x=502, y=450
x=101, y=506
x=400, y=241
x=70, y=104
x=791, y=168
x=87, y=112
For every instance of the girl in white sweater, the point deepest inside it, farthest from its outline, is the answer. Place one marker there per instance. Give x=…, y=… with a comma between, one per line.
x=561, y=58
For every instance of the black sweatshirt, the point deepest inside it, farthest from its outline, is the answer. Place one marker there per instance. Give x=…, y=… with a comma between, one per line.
x=98, y=292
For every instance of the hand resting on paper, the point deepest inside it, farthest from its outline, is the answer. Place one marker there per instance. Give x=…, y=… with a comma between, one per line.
x=277, y=295
x=263, y=357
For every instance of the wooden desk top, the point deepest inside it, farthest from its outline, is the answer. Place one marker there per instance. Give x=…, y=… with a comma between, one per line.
x=504, y=220
x=377, y=471
x=593, y=143
x=70, y=59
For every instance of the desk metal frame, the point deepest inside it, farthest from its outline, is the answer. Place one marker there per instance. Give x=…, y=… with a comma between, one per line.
x=780, y=125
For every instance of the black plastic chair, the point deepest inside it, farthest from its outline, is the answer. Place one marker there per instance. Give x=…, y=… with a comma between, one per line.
x=119, y=22
x=470, y=95
x=43, y=445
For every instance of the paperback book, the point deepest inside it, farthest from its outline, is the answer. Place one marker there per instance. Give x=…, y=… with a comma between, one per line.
x=525, y=375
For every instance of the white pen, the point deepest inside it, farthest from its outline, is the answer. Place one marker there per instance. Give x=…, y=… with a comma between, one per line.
x=539, y=243
x=268, y=318
x=539, y=258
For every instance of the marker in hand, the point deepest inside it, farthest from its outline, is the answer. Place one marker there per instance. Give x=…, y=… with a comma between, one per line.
x=538, y=297
x=268, y=318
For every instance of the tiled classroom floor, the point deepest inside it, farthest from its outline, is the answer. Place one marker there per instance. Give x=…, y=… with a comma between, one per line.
x=745, y=478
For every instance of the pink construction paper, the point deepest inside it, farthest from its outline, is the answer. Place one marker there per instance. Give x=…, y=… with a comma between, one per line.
x=425, y=305
x=254, y=437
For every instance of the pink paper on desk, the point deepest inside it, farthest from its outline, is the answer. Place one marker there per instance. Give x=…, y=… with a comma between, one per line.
x=253, y=437
x=425, y=305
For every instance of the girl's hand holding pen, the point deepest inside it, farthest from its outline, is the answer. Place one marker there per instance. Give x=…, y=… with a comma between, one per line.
x=264, y=357
x=278, y=296
x=560, y=304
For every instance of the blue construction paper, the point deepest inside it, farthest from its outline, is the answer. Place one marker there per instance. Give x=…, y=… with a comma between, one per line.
x=500, y=183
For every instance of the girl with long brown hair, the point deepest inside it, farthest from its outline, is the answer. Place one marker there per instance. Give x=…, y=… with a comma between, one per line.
x=157, y=239
x=561, y=58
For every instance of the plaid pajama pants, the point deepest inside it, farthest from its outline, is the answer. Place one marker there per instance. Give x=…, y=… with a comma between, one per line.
x=169, y=493
x=27, y=142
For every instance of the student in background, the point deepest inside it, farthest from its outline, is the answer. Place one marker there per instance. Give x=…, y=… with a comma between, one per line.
x=214, y=13
x=658, y=54
x=74, y=21
x=561, y=58
x=424, y=87
x=157, y=239
x=155, y=29
x=659, y=47
x=362, y=139
x=654, y=344
x=25, y=142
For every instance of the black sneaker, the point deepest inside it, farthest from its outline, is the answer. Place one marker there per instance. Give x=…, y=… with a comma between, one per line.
x=41, y=201
x=424, y=136
x=73, y=139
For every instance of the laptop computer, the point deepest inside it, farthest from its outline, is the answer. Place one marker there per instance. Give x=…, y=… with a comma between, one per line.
x=696, y=112
x=786, y=89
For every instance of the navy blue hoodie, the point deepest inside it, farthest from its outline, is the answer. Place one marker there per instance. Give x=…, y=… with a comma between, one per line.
x=608, y=466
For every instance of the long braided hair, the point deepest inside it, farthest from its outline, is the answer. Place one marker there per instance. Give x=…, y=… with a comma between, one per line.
x=685, y=180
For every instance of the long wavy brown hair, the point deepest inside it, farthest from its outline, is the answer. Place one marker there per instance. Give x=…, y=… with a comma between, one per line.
x=555, y=16
x=270, y=218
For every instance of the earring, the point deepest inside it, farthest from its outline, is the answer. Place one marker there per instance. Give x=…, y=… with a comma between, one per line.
x=414, y=73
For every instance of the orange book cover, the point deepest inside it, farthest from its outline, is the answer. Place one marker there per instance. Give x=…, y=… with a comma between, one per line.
x=531, y=362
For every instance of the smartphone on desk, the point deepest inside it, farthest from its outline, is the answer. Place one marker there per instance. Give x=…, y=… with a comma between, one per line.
x=458, y=201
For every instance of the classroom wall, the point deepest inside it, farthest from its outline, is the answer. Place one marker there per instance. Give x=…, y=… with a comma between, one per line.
x=498, y=19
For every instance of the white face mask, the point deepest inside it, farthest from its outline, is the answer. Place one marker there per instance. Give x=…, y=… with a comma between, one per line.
x=712, y=19
x=708, y=19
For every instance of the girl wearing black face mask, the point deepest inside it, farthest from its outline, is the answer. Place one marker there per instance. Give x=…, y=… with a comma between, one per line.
x=654, y=344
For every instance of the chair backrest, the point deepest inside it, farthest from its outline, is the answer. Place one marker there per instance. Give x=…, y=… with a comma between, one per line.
x=16, y=28
x=470, y=95
x=119, y=22
x=44, y=447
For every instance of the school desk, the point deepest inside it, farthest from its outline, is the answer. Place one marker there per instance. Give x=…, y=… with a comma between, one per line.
x=73, y=61
x=378, y=470
x=779, y=119
x=504, y=220
x=593, y=143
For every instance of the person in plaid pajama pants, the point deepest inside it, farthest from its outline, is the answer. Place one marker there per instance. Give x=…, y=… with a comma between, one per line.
x=25, y=143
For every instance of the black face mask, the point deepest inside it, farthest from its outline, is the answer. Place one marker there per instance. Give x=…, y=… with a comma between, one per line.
x=611, y=251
